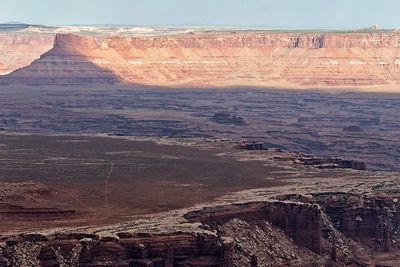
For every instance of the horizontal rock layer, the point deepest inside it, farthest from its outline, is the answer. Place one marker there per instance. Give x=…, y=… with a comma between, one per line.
x=19, y=50
x=325, y=228
x=219, y=59
x=3, y=68
x=301, y=222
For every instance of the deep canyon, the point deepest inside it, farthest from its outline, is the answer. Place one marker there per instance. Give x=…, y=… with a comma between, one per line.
x=132, y=146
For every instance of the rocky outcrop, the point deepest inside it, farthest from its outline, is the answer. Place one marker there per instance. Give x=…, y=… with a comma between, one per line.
x=372, y=220
x=333, y=163
x=301, y=158
x=300, y=221
x=237, y=229
x=173, y=249
x=319, y=229
x=220, y=59
x=265, y=245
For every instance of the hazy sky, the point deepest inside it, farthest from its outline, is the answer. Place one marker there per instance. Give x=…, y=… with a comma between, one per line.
x=269, y=13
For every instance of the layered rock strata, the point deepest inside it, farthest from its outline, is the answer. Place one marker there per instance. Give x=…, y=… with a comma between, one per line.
x=371, y=220
x=220, y=59
x=142, y=249
x=20, y=50
x=3, y=68
x=72, y=61
x=301, y=158
x=320, y=229
x=301, y=222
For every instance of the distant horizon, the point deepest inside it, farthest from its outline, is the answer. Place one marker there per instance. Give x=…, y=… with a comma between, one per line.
x=275, y=14
x=197, y=25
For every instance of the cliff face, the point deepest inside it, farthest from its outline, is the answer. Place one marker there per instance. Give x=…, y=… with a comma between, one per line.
x=321, y=229
x=187, y=244
x=173, y=249
x=301, y=222
x=258, y=58
x=72, y=60
x=19, y=50
x=3, y=68
x=370, y=219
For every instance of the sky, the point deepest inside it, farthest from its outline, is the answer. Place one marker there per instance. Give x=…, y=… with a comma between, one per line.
x=320, y=14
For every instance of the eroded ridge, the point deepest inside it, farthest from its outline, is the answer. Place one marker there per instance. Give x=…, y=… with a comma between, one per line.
x=336, y=228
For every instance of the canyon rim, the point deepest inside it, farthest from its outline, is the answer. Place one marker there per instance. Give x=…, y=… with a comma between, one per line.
x=212, y=146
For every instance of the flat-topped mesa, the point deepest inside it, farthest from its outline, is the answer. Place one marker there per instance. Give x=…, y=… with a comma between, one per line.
x=220, y=59
x=68, y=43
x=361, y=40
x=262, y=40
x=73, y=60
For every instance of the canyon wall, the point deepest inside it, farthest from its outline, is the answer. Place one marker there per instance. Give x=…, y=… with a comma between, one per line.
x=3, y=68
x=370, y=220
x=220, y=59
x=19, y=50
x=146, y=250
x=190, y=243
x=301, y=222
x=320, y=229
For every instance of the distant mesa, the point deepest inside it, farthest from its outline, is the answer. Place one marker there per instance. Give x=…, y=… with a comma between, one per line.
x=13, y=26
x=375, y=27
x=71, y=61
x=206, y=59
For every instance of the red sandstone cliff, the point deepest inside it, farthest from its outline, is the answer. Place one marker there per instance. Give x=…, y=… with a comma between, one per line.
x=255, y=59
x=3, y=68
x=19, y=50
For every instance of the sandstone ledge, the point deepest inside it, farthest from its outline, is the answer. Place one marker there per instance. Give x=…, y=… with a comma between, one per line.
x=303, y=226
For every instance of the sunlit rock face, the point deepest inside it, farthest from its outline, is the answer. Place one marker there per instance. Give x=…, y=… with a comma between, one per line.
x=3, y=68
x=19, y=50
x=218, y=59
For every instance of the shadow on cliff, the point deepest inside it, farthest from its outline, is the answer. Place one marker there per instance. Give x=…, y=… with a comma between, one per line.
x=71, y=61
